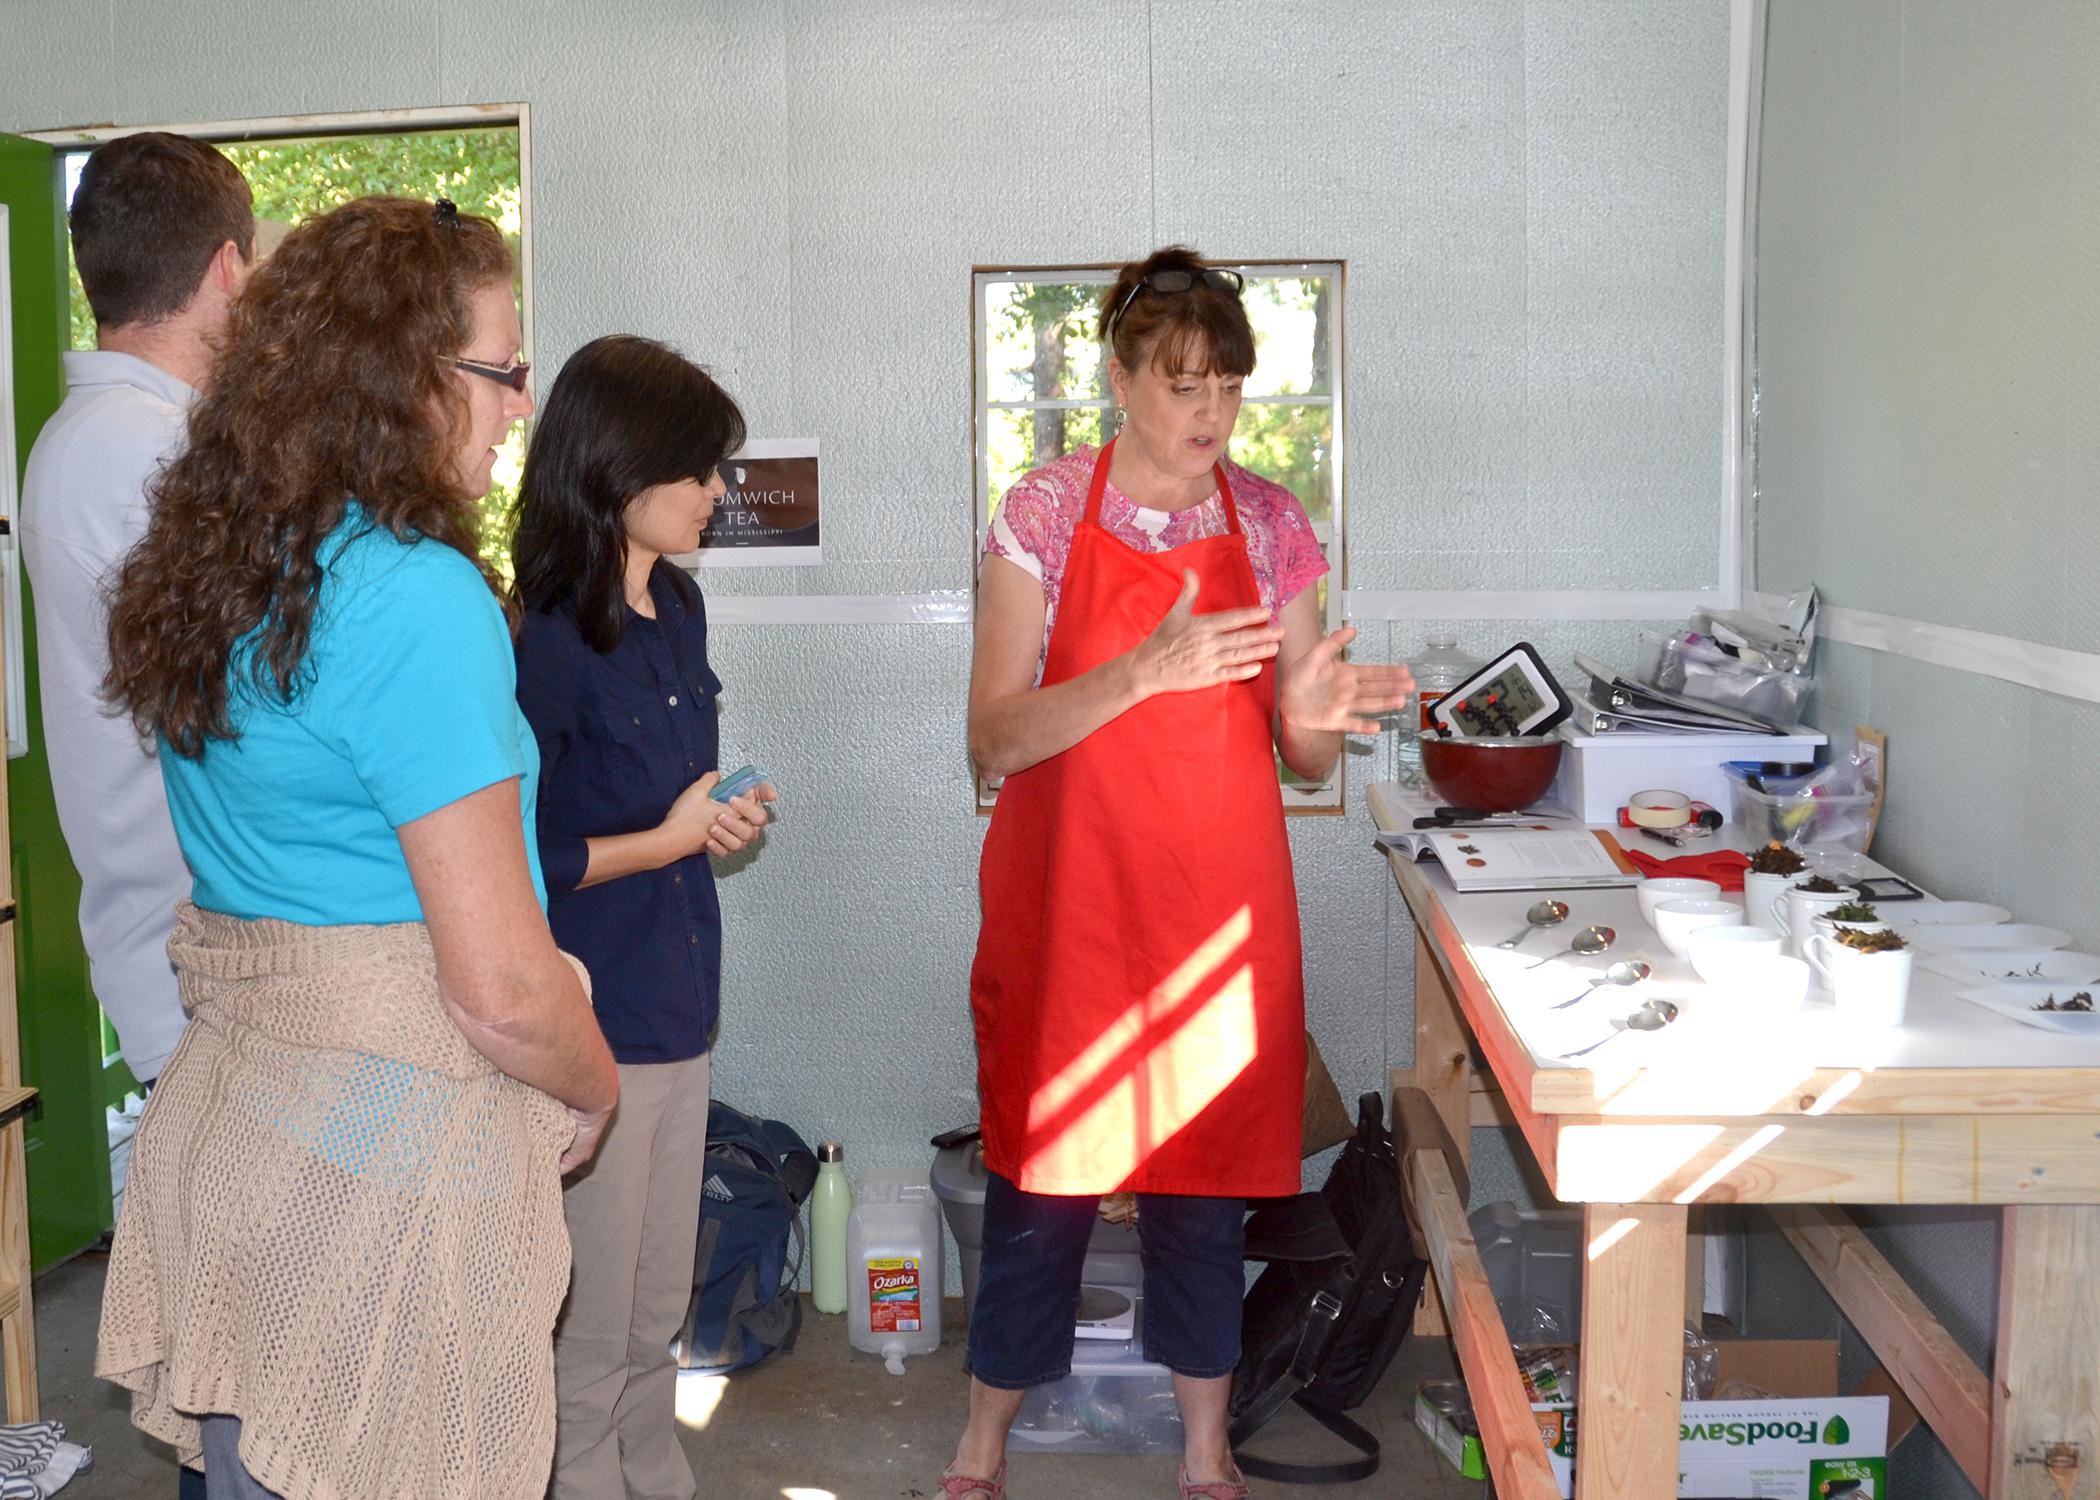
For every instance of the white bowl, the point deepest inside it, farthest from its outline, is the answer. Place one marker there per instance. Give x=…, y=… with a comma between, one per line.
x=1676, y=921
x=1778, y=983
x=1727, y=957
x=1982, y=937
x=1945, y=913
x=1652, y=893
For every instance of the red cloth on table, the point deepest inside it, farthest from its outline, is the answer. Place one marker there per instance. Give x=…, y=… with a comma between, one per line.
x=1724, y=867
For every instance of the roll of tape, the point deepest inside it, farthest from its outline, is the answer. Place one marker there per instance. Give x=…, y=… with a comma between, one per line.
x=1659, y=809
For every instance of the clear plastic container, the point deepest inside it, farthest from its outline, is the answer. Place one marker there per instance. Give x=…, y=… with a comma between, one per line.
x=893, y=1267
x=1114, y=1401
x=1825, y=825
x=1441, y=667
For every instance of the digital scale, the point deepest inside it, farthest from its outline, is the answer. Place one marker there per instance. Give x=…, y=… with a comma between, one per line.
x=1512, y=696
x=1105, y=1312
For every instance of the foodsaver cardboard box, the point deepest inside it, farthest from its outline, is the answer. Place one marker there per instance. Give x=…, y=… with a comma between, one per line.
x=1802, y=1444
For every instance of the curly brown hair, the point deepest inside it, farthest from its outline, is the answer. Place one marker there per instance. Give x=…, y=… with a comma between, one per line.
x=334, y=381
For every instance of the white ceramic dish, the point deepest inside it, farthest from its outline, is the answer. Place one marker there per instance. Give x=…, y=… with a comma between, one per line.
x=1941, y=913
x=1652, y=893
x=2009, y=964
x=1987, y=936
x=1733, y=958
x=2018, y=1002
x=1676, y=921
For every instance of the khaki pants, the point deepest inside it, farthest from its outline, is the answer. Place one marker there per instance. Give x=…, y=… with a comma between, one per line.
x=634, y=1214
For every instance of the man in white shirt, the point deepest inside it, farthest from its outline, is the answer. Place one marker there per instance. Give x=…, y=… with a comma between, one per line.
x=164, y=235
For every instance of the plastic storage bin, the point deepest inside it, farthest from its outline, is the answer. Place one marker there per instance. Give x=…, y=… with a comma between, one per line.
x=1114, y=1401
x=959, y=1180
x=1600, y=771
x=1836, y=820
x=1533, y=1259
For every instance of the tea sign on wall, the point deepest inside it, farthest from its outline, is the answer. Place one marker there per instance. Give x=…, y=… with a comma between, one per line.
x=768, y=516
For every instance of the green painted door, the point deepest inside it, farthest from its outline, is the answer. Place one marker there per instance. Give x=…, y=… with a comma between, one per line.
x=68, y=1141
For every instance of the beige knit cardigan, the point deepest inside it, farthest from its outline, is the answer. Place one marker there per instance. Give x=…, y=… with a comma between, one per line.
x=342, y=1225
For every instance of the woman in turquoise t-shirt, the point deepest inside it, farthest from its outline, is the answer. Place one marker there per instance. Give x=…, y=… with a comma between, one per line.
x=341, y=1249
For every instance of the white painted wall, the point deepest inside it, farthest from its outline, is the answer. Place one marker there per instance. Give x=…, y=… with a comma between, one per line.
x=1928, y=340
x=1529, y=197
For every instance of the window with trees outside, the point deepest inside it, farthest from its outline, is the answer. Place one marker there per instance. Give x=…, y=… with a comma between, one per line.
x=1042, y=391
x=478, y=167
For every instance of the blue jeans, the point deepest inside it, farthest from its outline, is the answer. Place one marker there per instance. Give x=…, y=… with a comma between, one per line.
x=1034, y=1246
x=225, y=1477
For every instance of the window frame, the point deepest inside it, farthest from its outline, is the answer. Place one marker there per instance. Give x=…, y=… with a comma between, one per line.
x=1325, y=797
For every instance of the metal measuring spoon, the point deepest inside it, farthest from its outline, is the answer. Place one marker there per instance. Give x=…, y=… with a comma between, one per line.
x=1625, y=971
x=1592, y=940
x=1653, y=1016
x=1544, y=914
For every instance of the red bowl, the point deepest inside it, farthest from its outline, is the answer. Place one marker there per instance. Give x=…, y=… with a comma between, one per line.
x=1492, y=775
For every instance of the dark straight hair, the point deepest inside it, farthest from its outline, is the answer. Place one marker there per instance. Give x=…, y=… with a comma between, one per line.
x=150, y=213
x=625, y=414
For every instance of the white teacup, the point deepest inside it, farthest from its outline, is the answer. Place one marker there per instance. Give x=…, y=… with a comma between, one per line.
x=1676, y=921
x=1652, y=893
x=1826, y=925
x=1760, y=894
x=1795, y=915
x=1871, y=989
x=1731, y=958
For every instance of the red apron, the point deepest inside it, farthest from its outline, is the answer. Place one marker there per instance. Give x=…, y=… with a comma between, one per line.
x=1138, y=990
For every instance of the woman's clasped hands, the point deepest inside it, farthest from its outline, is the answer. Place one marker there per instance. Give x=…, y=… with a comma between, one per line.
x=701, y=824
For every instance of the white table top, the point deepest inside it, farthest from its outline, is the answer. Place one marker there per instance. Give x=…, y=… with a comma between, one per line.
x=1725, y=1034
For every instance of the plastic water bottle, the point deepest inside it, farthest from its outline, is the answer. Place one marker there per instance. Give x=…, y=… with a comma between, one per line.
x=893, y=1267
x=1440, y=668
x=830, y=1205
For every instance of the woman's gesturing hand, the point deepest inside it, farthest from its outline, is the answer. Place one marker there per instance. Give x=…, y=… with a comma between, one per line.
x=1187, y=651
x=1322, y=692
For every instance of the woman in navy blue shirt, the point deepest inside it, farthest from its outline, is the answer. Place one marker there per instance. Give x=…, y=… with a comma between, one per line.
x=614, y=679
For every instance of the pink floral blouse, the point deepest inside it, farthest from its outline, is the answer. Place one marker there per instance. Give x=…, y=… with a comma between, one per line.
x=1036, y=518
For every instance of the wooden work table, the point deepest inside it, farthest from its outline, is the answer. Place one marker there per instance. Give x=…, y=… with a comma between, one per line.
x=1733, y=1105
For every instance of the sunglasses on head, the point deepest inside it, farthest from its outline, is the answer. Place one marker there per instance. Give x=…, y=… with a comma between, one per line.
x=1169, y=282
x=513, y=376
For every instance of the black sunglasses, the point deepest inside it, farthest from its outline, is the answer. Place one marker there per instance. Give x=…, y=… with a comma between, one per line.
x=1169, y=282
x=513, y=376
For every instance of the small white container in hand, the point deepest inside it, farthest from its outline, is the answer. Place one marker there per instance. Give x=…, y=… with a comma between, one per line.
x=1676, y=921
x=1652, y=893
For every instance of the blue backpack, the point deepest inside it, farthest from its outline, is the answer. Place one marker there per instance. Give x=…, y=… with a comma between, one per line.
x=744, y=1305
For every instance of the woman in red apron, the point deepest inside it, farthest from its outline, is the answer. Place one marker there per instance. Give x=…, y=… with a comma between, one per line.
x=1147, y=641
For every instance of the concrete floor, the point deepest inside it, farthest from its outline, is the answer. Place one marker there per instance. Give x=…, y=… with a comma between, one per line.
x=820, y=1423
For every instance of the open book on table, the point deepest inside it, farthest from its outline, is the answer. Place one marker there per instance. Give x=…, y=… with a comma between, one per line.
x=1538, y=851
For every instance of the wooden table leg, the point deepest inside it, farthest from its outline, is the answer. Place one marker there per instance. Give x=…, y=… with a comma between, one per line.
x=1630, y=1379
x=1444, y=1071
x=18, y=1327
x=2045, y=1397
x=1695, y=1267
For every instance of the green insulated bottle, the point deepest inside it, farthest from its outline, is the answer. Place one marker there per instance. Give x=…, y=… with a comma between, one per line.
x=830, y=1203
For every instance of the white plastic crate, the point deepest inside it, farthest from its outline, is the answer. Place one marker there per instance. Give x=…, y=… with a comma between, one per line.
x=1600, y=771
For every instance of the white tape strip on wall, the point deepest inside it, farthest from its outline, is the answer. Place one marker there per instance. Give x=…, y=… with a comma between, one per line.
x=2071, y=674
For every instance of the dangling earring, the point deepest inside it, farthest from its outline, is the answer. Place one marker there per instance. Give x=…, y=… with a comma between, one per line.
x=1119, y=416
